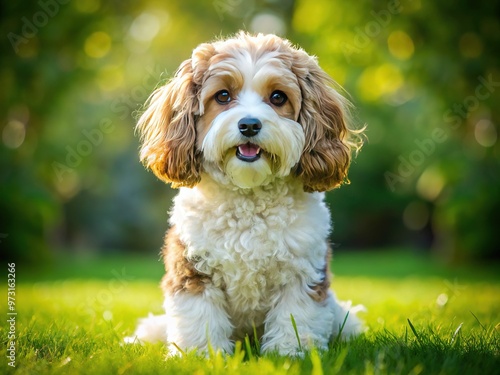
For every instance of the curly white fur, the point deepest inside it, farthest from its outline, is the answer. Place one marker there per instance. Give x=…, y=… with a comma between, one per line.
x=264, y=248
x=247, y=248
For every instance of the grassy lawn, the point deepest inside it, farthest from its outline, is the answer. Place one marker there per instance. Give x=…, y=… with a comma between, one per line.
x=422, y=318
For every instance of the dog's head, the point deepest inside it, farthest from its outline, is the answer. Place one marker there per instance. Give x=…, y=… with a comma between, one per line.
x=250, y=109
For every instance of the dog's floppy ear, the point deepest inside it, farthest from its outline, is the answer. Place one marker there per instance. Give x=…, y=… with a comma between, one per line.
x=168, y=130
x=324, y=117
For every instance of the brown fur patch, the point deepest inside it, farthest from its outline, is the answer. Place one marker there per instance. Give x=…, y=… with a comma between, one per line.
x=325, y=117
x=212, y=110
x=319, y=292
x=180, y=272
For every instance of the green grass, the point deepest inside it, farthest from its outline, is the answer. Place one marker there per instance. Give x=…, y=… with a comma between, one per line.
x=422, y=318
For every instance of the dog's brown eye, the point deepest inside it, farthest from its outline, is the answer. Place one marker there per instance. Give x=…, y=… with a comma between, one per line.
x=222, y=97
x=278, y=98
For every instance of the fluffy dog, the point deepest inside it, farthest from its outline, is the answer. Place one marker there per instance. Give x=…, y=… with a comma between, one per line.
x=252, y=132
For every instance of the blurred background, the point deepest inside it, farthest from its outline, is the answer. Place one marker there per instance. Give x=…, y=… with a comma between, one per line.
x=424, y=76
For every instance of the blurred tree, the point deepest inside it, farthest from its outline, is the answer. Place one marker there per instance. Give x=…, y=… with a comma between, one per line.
x=423, y=76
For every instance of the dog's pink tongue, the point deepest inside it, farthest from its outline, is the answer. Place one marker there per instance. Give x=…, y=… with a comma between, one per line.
x=249, y=149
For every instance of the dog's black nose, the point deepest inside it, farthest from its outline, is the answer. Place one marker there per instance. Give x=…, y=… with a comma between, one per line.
x=249, y=126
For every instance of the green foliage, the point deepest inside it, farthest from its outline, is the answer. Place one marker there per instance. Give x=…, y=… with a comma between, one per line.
x=427, y=90
x=422, y=75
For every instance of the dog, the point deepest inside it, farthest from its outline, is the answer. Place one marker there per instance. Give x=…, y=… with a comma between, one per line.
x=253, y=132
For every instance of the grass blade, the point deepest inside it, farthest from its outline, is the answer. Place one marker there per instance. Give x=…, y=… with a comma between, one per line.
x=414, y=331
x=210, y=348
x=339, y=362
x=317, y=367
x=256, y=340
x=235, y=361
x=248, y=347
x=342, y=327
x=475, y=317
x=294, y=324
x=179, y=349
x=457, y=331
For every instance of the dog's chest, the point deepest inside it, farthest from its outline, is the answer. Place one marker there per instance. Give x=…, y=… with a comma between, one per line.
x=247, y=255
x=244, y=247
x=253, y=244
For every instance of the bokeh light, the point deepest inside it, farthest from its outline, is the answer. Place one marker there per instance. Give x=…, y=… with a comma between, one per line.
x=406, y=67
x=13, y=134
x=485, y=133
x=145, y=27
x=431, y=183
x=268, y=23
x=378, y=81
x=400, y=45
x=97, y=45
x=87, y=6
x=416, y=215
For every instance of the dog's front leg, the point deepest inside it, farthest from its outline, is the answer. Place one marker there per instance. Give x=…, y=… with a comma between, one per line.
x=198, y=321
x=314, y=321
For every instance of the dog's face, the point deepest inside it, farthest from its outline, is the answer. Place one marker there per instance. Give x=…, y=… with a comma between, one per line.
x=250, y=109
x=250, y=102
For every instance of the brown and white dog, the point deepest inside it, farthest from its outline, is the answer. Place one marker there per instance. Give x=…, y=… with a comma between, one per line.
x=252, y=132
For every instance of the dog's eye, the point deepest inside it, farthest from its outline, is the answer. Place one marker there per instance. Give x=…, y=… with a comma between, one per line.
x=222, y=97
x=278, y=98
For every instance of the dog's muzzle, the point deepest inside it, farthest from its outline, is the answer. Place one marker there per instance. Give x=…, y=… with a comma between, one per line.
x=249, y=127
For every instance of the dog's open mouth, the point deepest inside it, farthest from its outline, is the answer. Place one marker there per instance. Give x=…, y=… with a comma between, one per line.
x=248, y=152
